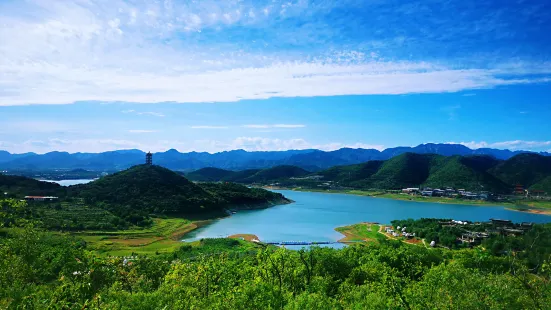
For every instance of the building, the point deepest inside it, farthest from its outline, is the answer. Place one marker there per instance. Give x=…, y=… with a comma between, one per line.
x=40, y=198
x=519, y=189
x=149, y=159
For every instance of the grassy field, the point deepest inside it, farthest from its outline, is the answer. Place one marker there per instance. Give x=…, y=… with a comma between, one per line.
x=362, y=232
x=162, y=237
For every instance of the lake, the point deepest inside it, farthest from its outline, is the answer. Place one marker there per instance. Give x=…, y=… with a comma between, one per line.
x=69, y=182
x=314, y=216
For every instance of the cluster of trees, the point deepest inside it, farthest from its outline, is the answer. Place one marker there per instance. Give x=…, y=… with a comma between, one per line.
x=143, y=190
x=249, y=176
x=40, y=270
x=475, y=173
x=129, y=198
x=432, y=230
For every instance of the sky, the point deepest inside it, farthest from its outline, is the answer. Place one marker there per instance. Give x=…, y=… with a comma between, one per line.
x=94, y=75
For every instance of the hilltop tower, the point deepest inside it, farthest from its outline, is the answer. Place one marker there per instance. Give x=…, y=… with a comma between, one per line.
x=149, y=159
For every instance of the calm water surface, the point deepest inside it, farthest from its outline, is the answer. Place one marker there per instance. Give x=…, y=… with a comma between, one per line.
x=314, y=216
x=70, y=182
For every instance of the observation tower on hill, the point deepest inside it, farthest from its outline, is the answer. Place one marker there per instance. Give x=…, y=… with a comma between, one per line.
x=149, y=159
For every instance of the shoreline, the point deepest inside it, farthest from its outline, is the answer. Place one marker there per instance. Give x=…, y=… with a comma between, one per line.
x=202, y=223
x=506, y=205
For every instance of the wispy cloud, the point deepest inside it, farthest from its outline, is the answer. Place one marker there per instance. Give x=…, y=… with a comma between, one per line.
x=152, y=51
x=143, y=113
x=209, y=127
x=264, y=126
x=510, y=145
x=141, y=131
x=452, y=111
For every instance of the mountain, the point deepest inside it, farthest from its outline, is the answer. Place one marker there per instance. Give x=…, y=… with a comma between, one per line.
x=311, y=160
x=247, y=176
x=276, y=173
x=210, y=174
x=406, y=170
x=524, y=169
x=466, y=172
x=157, y=190
x=349, y=175
x=473, y=172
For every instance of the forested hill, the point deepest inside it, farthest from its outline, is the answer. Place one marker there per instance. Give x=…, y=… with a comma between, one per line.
x=18, y=186
x=157, y=190
x=474, y=172
x=247, y=176
x=470, y=172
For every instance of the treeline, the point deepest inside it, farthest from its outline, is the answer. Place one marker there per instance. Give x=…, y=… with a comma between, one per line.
x=58, y=272
x=132, y=197
x=41, y=270
x=473, y=173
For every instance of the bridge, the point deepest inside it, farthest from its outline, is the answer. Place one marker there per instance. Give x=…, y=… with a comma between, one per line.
x=300, y=242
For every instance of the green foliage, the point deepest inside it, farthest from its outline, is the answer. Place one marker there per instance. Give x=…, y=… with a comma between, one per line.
x=18, y=186
x=247, y=176
x=11, y=212
x=136, y=193
x=466, y=172
x=352, y=175
x=209, y=174
x=239, y=195
x=417, y=170
x=40, y=271
x=524, y=169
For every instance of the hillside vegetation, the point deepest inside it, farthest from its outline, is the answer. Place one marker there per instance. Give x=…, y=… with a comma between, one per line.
x=247, y=176
x=44, y=270
x=132, y=197
x=525, y=169
x=157, y=190
x=474, y=172
x=18, y=186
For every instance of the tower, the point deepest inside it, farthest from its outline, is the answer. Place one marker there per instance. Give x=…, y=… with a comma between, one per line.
x=149, y=159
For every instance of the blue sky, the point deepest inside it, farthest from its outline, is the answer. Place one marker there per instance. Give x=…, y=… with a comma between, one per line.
x=93, y=76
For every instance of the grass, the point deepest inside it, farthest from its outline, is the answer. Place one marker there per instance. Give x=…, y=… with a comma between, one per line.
x=162, y=237
x=362, y=232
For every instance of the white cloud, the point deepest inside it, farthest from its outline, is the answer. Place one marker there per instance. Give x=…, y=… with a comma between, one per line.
x=59, y=52
x=264, y=126
x=143, y=113
x=510, y=145
x=270, y=144
x=141, y=131
x=209, y=127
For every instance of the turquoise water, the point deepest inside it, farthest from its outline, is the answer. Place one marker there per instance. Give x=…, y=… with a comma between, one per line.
x=314, y=216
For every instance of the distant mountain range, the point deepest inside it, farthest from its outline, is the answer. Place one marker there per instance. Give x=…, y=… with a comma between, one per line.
x=472, y=172
x=311, y=160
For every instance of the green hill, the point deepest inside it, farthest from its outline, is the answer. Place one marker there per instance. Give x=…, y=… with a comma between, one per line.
x=465, y=172
x=543, y=185
x=406, y=170
x=350, y=175
x=157, y=190
x=414, y=170
x=276, y=173
x=524, y=169
x=240, y=176
x=247, y=176
x=18, y=186
x=209, y=174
